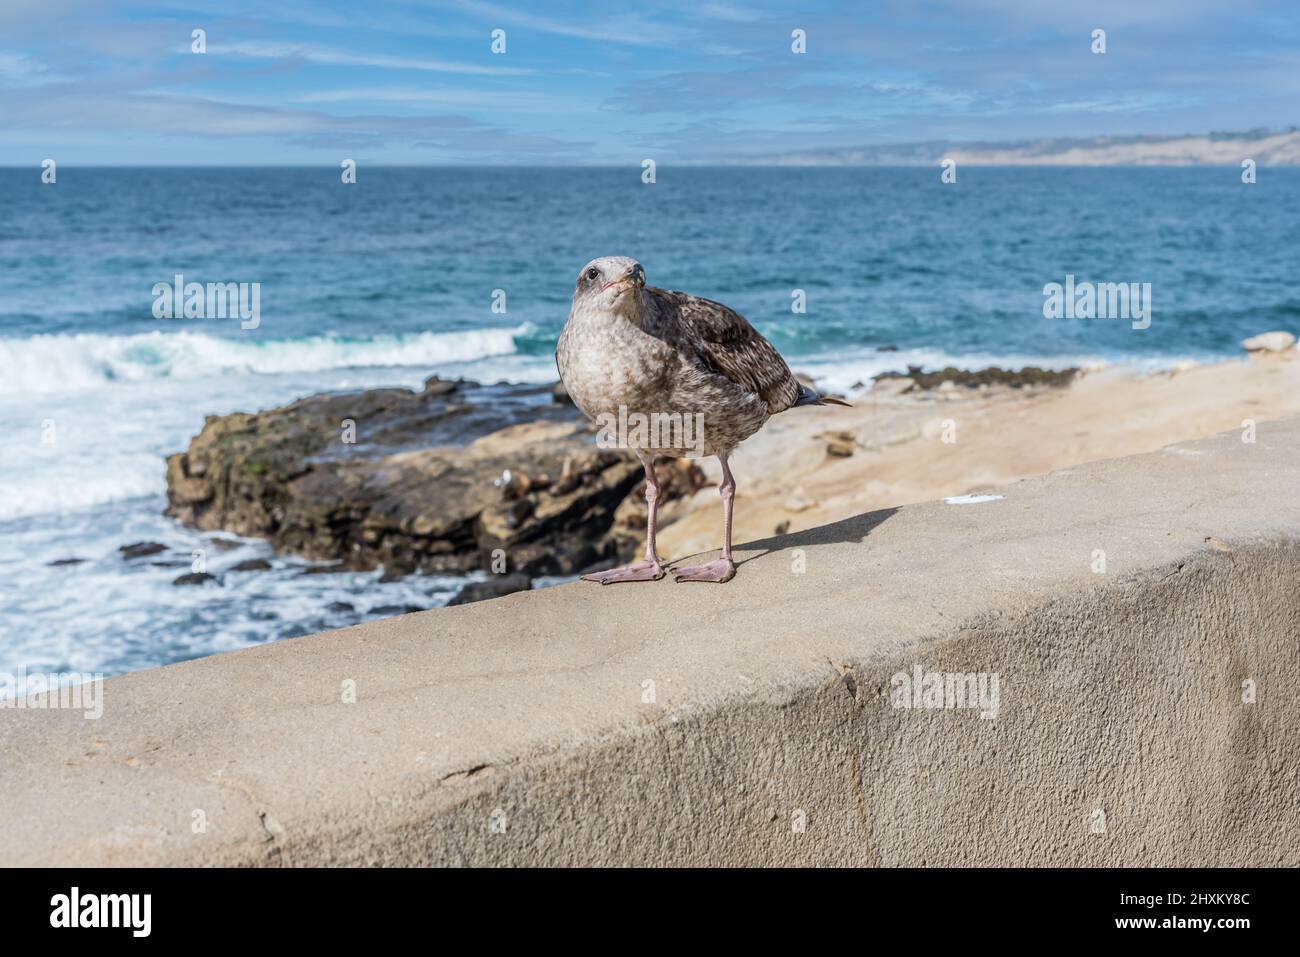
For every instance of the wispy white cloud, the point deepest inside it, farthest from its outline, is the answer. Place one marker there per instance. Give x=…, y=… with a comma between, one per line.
x=17, y=69
x=450, y=135
x=267, y=50
x=605, y=26
x=734, y=14
x=529, y=101
x=1134, y=103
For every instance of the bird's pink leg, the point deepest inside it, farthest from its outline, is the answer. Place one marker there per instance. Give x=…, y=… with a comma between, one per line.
x=721, y=569
x=648, y=569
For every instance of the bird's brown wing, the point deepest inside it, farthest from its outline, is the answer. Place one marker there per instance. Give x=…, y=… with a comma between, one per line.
x=725, y=343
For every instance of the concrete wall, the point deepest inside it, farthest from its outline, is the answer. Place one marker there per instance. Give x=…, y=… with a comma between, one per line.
x=1120, y=693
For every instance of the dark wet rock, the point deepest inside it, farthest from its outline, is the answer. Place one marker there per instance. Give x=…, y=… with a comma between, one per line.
x=889, y=348
x=336, y=569
x=60, y=562
x=494, y=587
x=514, y=484
x=194, y=578
x=388, y=611
x=678, y=479
x=339, y=606
x=841, y=443
x=141, y=549
x=436, y=385
x=434, y=482
x=252, y=565
x=518, y=512
x=605, y=564
x=560, y=395
x=1013, y=378
x=224, y=544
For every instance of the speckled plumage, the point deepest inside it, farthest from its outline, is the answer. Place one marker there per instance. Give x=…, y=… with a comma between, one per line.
x=658, y=351
x=628, y=348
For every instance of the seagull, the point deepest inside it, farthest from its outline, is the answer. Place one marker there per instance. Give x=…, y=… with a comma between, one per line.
x=632, y=355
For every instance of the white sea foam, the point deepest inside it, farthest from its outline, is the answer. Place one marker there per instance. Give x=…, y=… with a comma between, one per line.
x=66, y=363
x=107, y=614
x=74, y=446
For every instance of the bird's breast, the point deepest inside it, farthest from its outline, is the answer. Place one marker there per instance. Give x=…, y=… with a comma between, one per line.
x=613, y=364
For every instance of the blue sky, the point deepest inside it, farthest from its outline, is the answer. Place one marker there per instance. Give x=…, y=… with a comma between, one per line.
x=291, y=81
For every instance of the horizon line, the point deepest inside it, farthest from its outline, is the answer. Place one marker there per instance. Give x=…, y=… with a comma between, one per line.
x=636, y=166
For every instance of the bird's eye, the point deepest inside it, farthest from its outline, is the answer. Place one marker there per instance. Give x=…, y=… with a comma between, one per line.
x=592, y=273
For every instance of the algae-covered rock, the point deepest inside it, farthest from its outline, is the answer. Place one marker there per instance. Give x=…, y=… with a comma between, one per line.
x=452, y=478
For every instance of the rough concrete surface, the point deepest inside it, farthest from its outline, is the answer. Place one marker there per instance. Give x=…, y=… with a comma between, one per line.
x=524, y=731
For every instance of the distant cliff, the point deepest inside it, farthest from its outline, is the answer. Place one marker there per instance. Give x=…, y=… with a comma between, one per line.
x=1265, y=147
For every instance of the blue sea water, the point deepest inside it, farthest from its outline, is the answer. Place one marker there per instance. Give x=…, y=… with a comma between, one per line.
x=391, y=279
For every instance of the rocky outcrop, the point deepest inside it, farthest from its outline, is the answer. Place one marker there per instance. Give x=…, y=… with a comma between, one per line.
x=452, y=478
x=141, y=550
x=1269, y=342
x=195, y=578
x=496, y=586
x=974, y=378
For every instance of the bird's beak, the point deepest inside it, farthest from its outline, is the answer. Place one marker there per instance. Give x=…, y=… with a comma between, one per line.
x=636, y=277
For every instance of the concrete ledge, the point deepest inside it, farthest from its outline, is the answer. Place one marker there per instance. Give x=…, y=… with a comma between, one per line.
x=1120, y=693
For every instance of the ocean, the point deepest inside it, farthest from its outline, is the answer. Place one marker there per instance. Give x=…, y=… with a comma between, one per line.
x=394, y=278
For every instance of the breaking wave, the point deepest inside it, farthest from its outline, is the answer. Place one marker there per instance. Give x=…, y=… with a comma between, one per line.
x=67, y=363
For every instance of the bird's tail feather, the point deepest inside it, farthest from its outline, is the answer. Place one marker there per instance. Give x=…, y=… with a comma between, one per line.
x=810, y=396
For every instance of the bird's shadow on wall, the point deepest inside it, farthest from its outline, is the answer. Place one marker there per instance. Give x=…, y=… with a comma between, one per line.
x=852, y=530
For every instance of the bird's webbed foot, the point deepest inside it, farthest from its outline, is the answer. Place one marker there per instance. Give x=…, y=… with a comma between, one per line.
x=646, y=570
x=719, y=570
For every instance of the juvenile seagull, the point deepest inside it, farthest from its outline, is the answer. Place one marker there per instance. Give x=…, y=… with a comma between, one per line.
x=635, y=349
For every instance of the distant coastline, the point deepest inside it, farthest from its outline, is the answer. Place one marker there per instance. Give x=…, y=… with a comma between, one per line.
x=1265, y=147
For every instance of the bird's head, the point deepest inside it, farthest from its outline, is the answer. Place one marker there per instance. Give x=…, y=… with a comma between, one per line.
x=611, y=283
